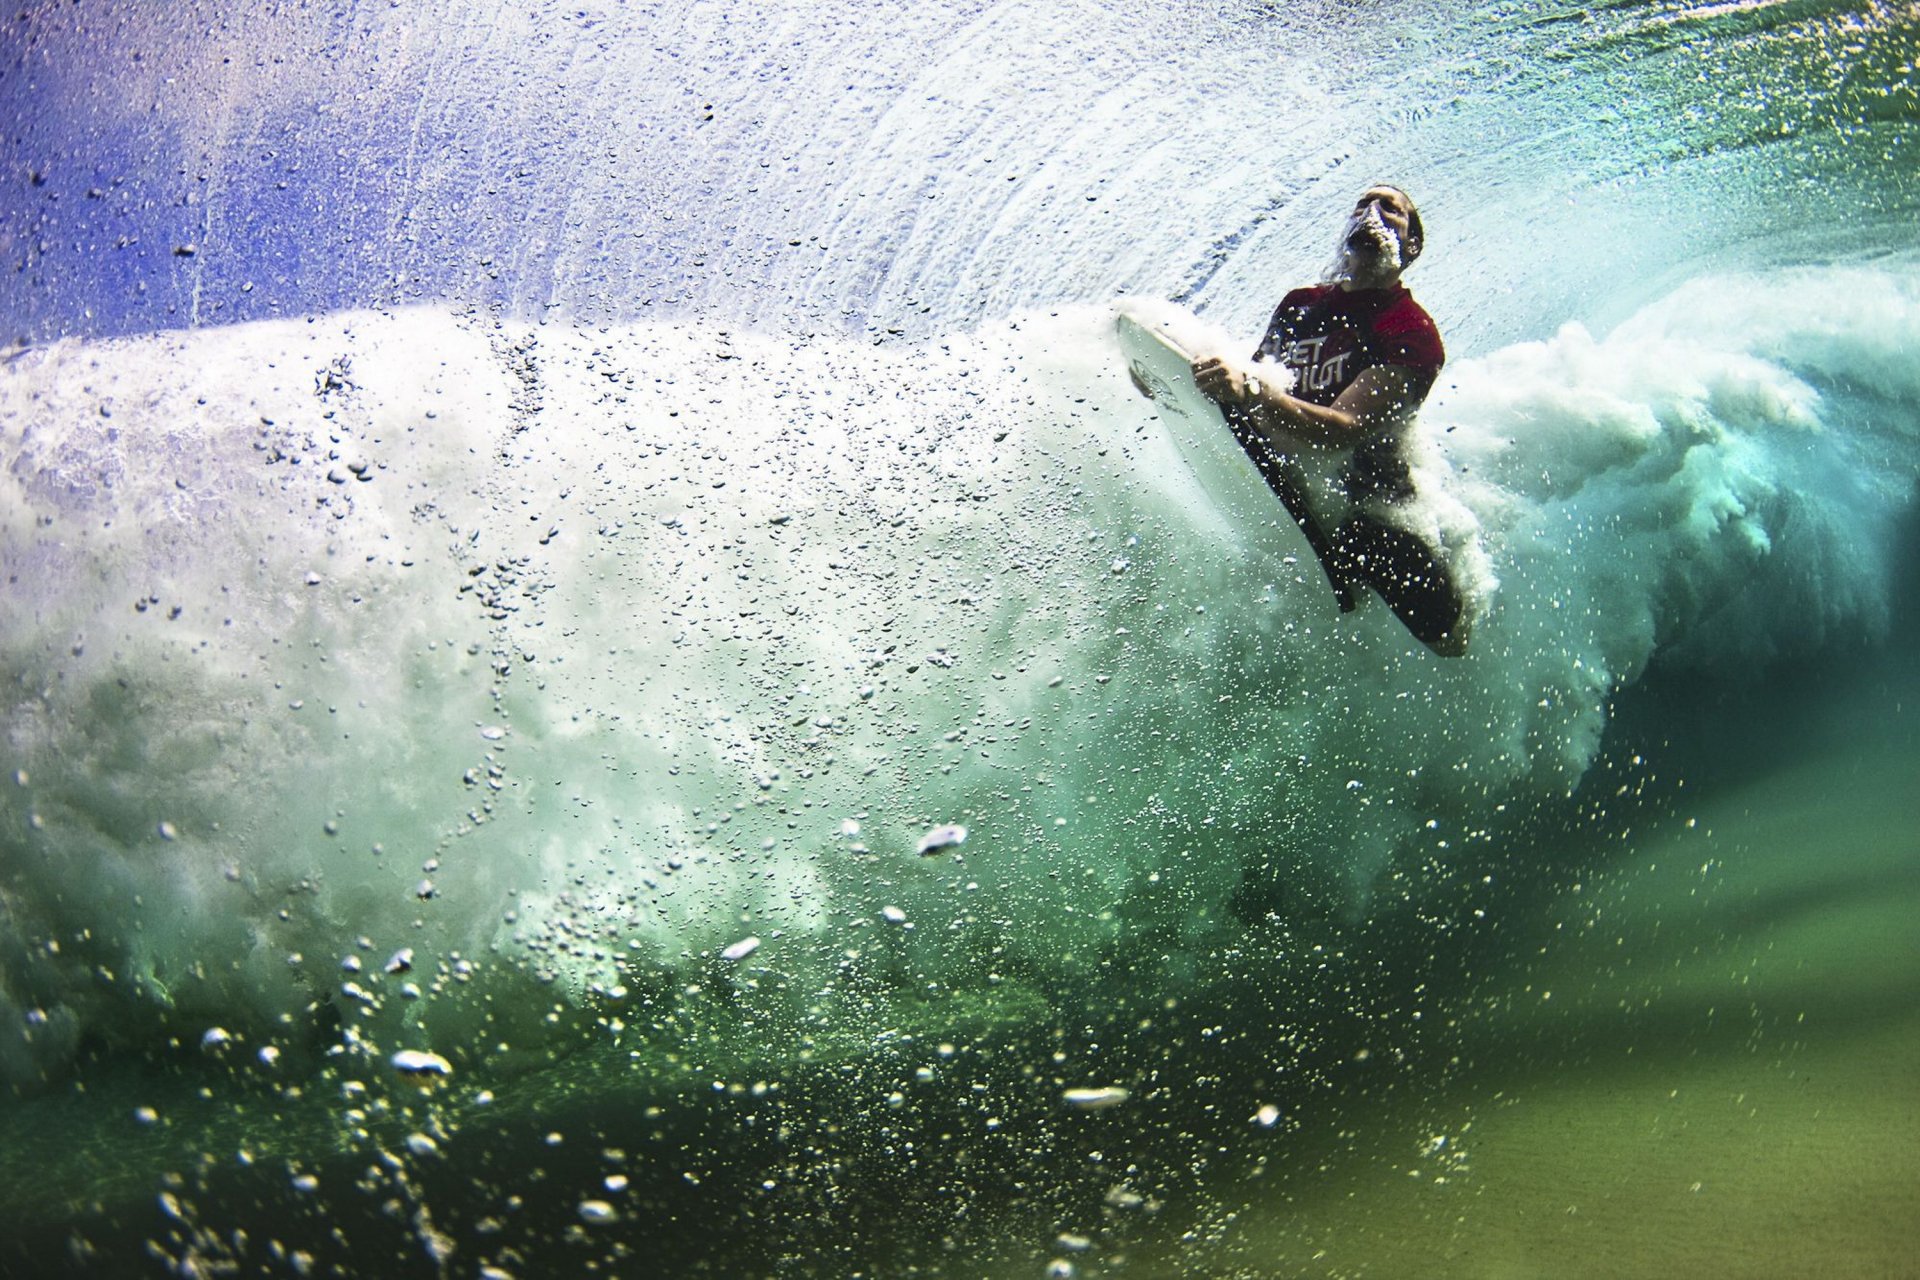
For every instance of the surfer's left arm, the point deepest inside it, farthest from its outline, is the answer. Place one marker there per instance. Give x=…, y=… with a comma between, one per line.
x=1378, y=398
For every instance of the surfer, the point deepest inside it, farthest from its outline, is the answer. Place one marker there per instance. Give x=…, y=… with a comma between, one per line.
x=1360, y=356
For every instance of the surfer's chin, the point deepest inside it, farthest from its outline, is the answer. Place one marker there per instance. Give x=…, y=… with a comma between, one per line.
x=1370, y=254
x=1361, y=269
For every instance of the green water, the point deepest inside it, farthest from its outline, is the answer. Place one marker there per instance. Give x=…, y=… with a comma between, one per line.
x=1711, y=1067
x=1680, y=1035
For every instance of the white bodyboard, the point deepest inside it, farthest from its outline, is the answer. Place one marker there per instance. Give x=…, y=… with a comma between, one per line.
x=1160, y=348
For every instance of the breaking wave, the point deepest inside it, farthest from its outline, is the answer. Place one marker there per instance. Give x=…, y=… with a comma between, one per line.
x=409, y=671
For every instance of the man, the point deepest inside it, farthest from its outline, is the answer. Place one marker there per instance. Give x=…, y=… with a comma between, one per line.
x=1362, y=355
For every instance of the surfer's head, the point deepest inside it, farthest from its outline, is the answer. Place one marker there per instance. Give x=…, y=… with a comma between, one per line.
x=1381, y=238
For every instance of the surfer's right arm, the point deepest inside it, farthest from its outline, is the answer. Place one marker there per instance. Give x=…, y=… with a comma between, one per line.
x=1378, y=398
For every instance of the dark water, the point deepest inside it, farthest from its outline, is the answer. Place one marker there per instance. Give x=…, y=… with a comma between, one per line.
x=516, y=527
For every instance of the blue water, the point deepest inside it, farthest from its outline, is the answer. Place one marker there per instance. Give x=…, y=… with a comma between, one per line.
x=517, y=527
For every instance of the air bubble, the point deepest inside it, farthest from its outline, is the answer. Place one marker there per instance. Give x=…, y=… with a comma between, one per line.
x=417, y=1062
x=950, y=836
x=1095, y=1099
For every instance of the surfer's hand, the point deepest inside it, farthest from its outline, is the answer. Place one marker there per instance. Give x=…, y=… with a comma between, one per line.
x=1224, y=383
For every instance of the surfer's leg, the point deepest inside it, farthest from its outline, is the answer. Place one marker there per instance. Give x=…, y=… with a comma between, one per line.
x=1284, y=479
x=1413, y=581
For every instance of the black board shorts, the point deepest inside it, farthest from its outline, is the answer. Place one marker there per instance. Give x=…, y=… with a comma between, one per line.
x=1406, y=573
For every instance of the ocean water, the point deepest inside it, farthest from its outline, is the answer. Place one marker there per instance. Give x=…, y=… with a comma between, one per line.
x=604, y=672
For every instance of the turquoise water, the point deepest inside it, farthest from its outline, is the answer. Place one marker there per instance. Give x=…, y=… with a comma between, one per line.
x=519, y=528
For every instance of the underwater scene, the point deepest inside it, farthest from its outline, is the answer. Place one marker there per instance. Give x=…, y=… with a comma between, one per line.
x=604, y=670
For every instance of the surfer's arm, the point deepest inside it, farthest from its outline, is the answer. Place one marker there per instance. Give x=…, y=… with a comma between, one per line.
x=1378, y=397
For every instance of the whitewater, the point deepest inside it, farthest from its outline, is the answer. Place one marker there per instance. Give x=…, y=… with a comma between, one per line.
x=590, y=653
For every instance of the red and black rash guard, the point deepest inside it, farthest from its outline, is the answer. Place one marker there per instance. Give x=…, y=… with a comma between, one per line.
x=1329, y=336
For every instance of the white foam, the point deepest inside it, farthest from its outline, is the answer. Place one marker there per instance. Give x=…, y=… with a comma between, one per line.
x=641, y=642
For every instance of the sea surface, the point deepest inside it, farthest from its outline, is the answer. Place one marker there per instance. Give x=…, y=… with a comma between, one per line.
x=602, y=671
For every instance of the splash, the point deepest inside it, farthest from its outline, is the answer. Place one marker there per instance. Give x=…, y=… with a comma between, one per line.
x=570, y=661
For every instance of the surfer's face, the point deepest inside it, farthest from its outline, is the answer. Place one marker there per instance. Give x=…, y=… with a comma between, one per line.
x=1378, y=240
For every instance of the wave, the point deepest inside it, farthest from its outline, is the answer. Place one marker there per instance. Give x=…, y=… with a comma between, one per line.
x=539, y=662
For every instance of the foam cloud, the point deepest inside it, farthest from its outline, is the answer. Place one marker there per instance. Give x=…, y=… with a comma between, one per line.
x=574, y=658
